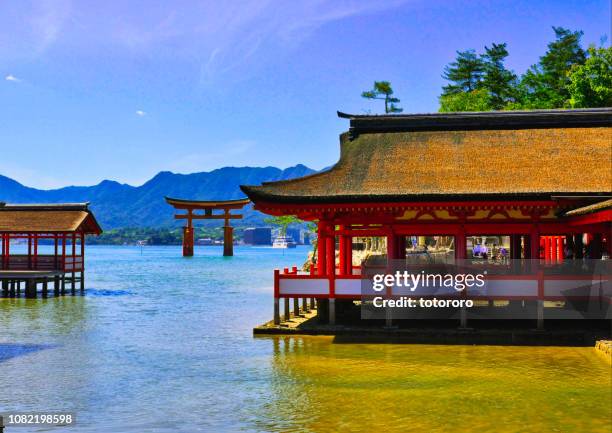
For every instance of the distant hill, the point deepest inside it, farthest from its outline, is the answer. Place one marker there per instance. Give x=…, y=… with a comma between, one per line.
x=119, y=205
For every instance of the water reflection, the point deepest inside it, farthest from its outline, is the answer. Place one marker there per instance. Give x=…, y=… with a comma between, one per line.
x=164, y=344
x=321, y=386
x=61, y=314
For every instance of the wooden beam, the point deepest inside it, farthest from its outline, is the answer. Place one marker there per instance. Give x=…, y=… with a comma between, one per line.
x=208, y=217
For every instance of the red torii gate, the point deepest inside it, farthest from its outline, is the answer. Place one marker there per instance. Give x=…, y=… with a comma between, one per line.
x=208, y=207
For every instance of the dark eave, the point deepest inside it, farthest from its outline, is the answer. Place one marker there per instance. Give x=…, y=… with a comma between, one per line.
x=595, y=207
x=44, y=206
x=464, y=121
x=255, y=194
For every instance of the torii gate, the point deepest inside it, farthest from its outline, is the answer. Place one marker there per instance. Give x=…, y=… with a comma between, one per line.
x=208, y=207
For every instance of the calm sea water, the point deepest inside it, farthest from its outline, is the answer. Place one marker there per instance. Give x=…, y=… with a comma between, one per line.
x=162, y=343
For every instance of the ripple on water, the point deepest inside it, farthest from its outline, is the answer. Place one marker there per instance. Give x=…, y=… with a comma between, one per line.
x=104, y=292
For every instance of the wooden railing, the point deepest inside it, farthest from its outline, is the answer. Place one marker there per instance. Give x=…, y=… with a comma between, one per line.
x=41, y=262
x=536, y=286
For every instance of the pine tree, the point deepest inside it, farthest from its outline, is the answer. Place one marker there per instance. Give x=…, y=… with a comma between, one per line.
x=382, y=90
x=498, y=81
x=465, y=73
x=545, y=85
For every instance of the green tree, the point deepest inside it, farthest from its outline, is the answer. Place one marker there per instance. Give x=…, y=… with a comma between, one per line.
x=499, y=82
x=590, y=84
x=382, y=90
x=545, y=85
x=464, y=74
x=283, y=222
x=476, y=100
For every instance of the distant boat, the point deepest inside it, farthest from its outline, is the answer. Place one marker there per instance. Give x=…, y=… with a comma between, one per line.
x=284, y=242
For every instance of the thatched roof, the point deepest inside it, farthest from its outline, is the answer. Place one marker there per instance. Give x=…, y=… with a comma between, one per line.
x=546, y=153
x=602, y=205
x=48, y=218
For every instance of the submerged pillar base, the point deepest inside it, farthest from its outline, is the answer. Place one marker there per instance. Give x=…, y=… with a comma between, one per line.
x=332, y=311
x=277, y=311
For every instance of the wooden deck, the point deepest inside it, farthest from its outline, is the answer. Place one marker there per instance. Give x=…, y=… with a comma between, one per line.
x=32, y=282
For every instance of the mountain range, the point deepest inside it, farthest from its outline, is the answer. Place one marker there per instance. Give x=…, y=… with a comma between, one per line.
x=119, y=205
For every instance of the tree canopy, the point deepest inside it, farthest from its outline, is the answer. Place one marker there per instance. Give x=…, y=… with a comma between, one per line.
x=464, y=74
x=382, y=90
x=565, y=76
x=590, y=84
x=283, y=222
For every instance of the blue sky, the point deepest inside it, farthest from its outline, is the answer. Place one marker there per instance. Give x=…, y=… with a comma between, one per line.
x=123, y=89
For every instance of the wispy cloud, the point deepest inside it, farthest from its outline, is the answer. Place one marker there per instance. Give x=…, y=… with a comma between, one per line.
x=28, y=29
x=11, y=77
x=219, y=37
x=237, y=36
x=140, y=113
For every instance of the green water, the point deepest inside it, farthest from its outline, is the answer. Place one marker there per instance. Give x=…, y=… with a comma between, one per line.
x=160, y=343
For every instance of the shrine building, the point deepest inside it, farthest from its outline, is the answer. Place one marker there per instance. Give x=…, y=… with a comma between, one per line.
x=535, y=183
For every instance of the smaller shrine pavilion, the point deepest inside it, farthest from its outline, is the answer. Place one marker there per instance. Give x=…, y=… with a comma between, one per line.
x=513, y=185
x=42, y=244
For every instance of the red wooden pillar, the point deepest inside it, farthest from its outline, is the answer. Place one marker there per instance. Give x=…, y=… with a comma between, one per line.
x=329, y=240
x=64, y=252
x=348, y=245
x=82, y=251
x=345, y=247
x=322, y=247
x=228, y=237
x=460, y=243
x=547, y=248
x=55, y=252
x=330, y=248
x=188, y=235
x=35, y=258
x=342, y=259
x=29, y=251
x=73, y=250
x=391, y=247
x=8, y=251
x=188, y=241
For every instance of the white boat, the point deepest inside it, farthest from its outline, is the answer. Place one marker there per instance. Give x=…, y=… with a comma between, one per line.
x=284, y=242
